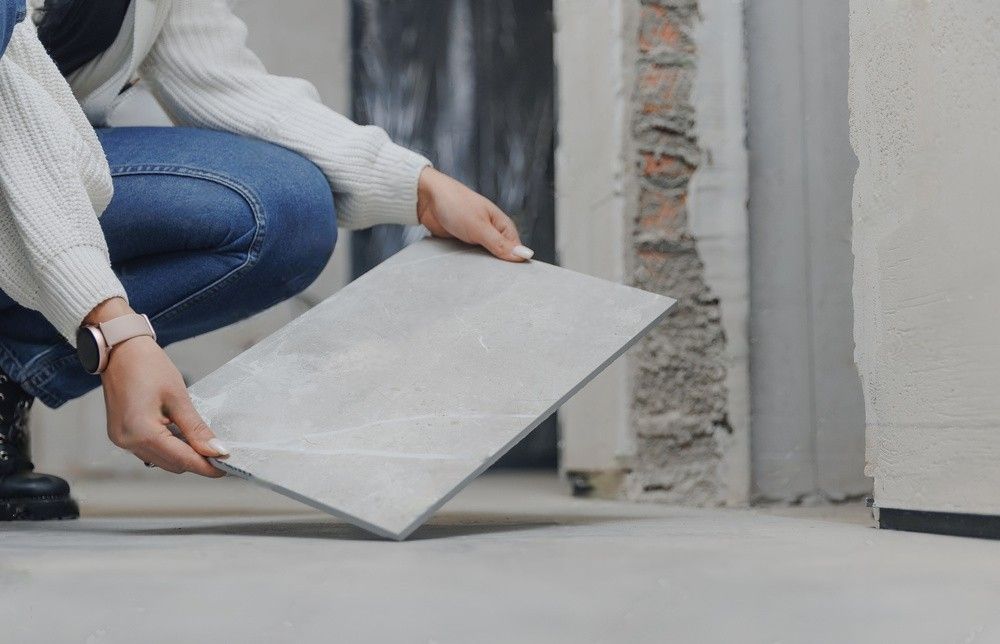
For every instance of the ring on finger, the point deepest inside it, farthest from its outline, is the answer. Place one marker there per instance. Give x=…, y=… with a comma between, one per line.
x=148, y=464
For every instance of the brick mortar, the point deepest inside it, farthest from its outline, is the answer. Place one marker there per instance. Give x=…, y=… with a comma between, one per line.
x=679, y=411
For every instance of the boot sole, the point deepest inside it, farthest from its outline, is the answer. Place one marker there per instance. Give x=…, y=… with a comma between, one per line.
x=39, y=508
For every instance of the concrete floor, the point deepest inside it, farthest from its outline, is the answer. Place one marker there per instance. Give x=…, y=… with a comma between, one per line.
x=511, y=559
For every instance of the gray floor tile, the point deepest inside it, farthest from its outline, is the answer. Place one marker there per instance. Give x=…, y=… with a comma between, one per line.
x=382, y=402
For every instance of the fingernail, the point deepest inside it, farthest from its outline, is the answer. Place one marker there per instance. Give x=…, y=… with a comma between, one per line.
x=219, y=447
x=523, y=252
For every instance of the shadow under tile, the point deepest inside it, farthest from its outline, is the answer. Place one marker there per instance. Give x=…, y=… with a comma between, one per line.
x=444, y=528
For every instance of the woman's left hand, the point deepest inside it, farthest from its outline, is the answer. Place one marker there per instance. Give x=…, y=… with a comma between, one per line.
x=449, y=209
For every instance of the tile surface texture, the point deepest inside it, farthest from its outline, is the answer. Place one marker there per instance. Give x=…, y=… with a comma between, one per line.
x=383, y=401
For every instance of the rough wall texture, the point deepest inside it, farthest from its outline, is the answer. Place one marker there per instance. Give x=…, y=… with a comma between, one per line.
x=923, y=99
x=678, y=372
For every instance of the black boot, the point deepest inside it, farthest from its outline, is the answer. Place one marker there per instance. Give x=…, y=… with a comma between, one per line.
x=24, y=494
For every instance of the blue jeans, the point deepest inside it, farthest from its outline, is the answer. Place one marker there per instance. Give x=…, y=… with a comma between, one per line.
x=205, y=229
x=11, y=13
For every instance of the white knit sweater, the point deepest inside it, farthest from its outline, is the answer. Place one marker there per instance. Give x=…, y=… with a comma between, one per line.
x=54, y=179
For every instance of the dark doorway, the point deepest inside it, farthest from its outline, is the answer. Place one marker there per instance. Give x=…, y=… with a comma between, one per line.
x=470, y=84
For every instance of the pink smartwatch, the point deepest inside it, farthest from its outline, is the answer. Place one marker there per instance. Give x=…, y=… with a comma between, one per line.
x=94, y=342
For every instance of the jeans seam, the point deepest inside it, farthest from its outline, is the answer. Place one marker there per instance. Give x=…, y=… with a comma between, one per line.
x=37, y=382
x=47, y=370
x=6, y=355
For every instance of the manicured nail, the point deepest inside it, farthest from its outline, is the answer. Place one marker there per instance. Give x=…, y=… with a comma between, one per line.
x=523, y=252
x=219, y=447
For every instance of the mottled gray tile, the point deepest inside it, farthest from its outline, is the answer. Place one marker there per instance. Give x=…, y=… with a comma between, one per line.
x=383, y=401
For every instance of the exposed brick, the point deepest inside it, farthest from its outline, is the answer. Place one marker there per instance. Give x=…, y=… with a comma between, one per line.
x=662, y=212
x=663, y=89
x=666, y=28
x=678, y=370
x=663, y=95
x=660, y=166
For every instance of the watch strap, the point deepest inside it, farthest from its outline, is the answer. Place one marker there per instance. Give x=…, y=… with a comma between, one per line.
x=125, y=328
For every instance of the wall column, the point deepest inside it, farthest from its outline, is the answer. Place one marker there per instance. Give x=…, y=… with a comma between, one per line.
x=924, y=125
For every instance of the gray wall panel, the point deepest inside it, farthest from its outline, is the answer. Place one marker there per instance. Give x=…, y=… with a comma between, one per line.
x=807, y=413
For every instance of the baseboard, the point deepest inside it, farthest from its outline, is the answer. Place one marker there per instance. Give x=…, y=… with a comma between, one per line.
x=981, y=526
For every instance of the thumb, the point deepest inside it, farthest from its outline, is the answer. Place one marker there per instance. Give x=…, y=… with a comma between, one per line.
x=490, y=238
x=509, y=244
x=493, y=241
x=194, y=429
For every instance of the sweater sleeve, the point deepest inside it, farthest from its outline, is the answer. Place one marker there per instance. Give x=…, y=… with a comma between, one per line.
x=54, y=180
x=203, y=74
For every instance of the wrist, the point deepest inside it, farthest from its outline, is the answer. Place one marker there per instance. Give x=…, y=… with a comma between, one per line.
x=109, y=325
x=107, y=310
x=132, y=351
x=425, y=192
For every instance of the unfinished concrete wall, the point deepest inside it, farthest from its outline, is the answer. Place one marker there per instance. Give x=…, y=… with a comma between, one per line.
x=717, y=215
x=651, y=190
x=681, y=399
x=808, y=424
x=924, y=95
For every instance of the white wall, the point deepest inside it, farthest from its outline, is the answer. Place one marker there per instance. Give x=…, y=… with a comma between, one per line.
x=311, y=41
x=594, y=191
x=924, y=124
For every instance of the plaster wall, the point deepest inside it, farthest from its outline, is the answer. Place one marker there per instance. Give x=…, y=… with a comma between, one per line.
x=923, y=97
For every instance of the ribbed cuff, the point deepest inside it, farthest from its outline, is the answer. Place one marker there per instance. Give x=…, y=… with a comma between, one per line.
x=393, y=200
x=74, y=282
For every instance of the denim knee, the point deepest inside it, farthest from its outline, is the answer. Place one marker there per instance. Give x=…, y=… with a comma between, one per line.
x=300, y=224
x=11, y=13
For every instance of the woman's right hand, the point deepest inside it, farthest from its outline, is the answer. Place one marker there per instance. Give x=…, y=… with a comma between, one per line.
x=144, y=393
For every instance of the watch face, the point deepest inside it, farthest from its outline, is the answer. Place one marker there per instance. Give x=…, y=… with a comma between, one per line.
x=87, y=350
